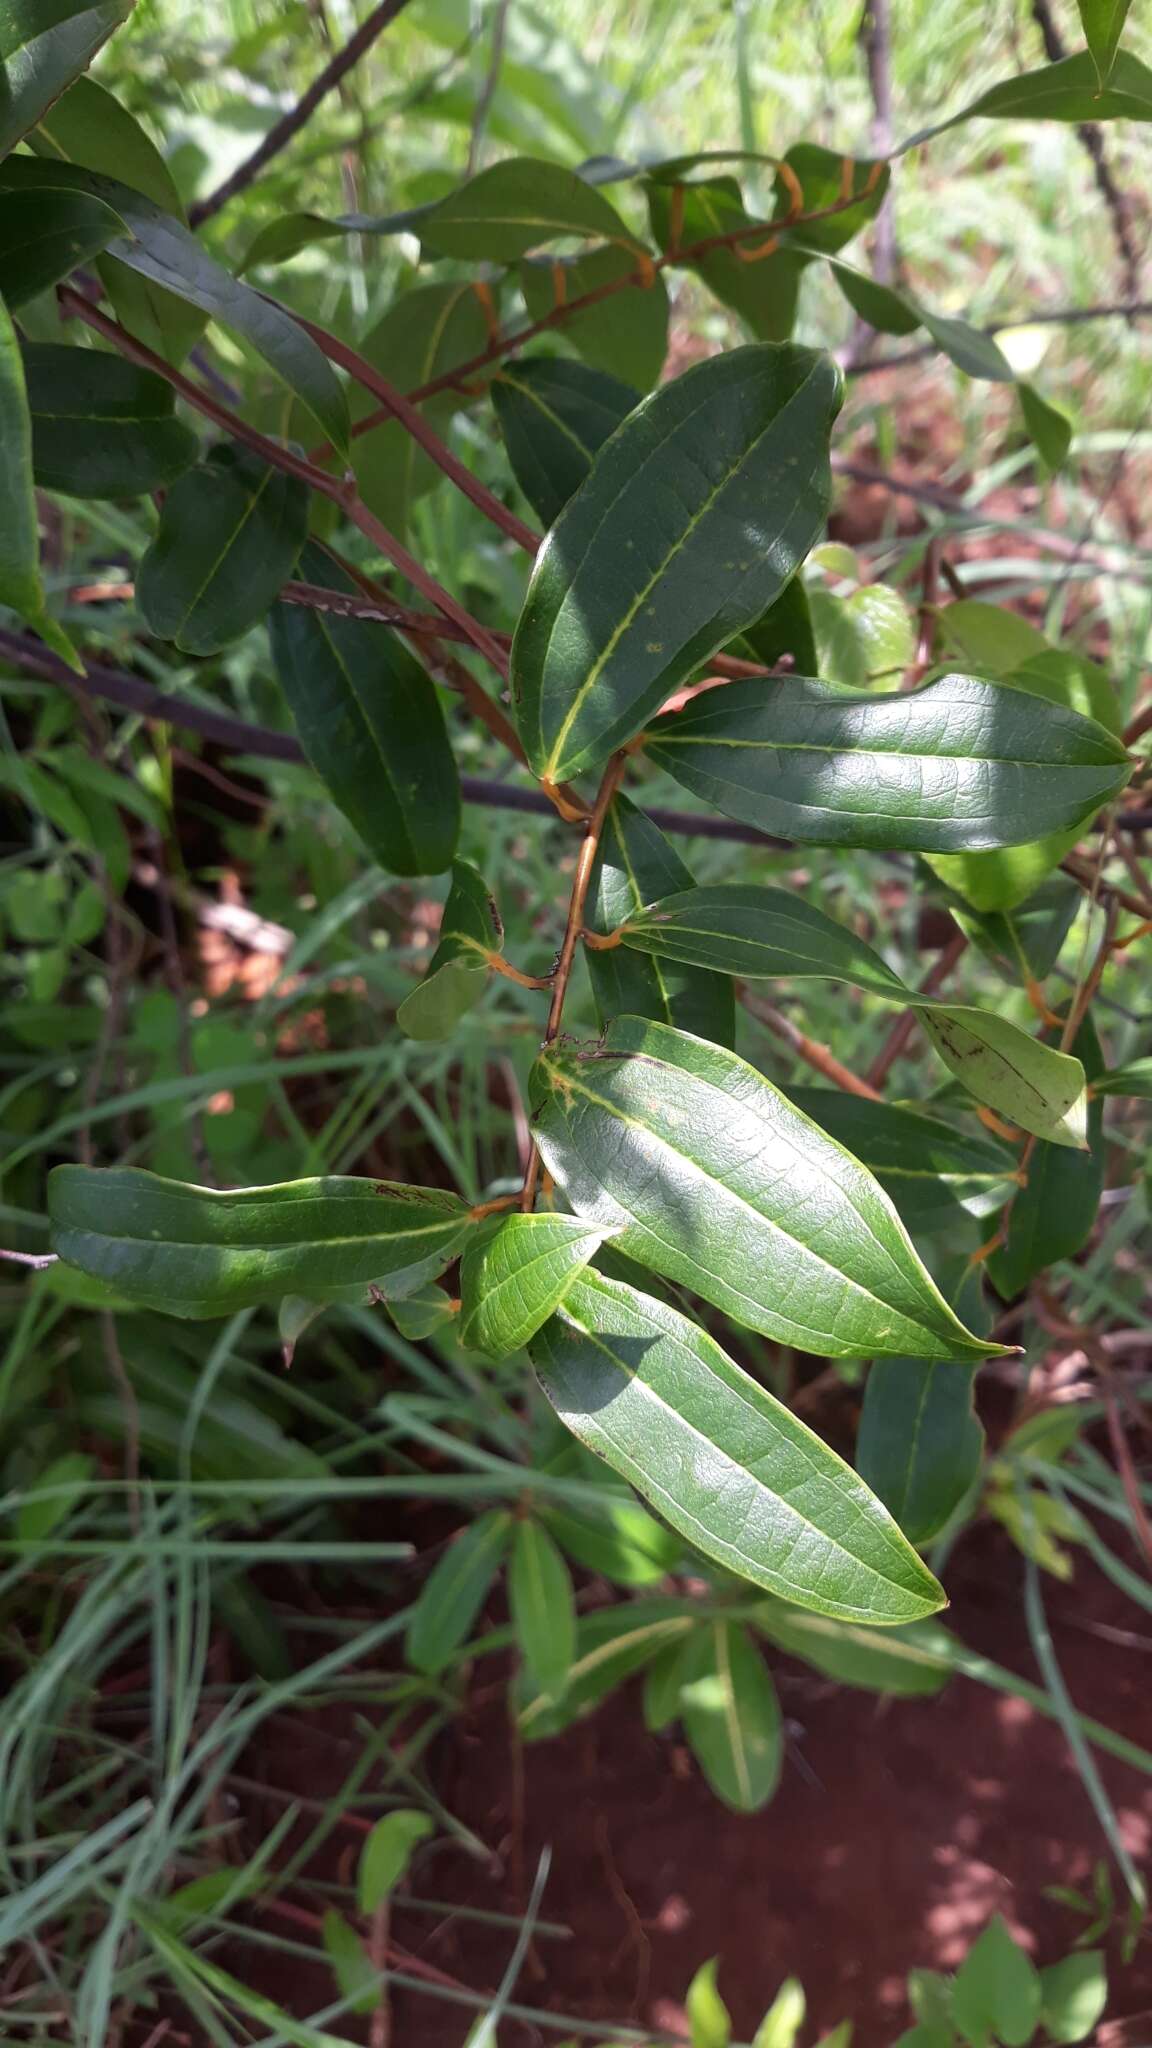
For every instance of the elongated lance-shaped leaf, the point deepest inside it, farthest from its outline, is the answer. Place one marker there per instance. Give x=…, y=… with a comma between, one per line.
x=20, y=584
x=229, y=537
x=371, y=724
x=513, y=1278
x=1067, y=91
x=193, y=1251
x=914, y=1659
x=635, y=864
x=931, y=1171
x=957, y=765
x=161, y=248
x=44, y=45
x=518, y=205
x=455, y=1591
x=101, y=428
x=611, y=1643
x=555, y=417
x=421, y=334
x=44, y=235
x=920, y=1444
x=1103, y=22
x=715, y=1180
x=470, y=932
x=721, y=1460
x=542, y=1607
x=731, y=1715
x=694, y=516
x=764, y=933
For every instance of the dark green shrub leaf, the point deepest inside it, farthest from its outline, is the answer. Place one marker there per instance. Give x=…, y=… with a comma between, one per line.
x=996, y=1994
x=1134, y=1080
x=611, y=1644
x=44, y=235
x=625, y=333
x=43, y=45
x=229, y=537
x=1024, y=941
x=370, y=722
x=731, y=1716
x=542, y=1607
x=714, y=1179
x=721, y=1459
x=1067, y=91
x=1048, y=427
x=764, y=293
x=1103, y=23
x=555, y=417
x=470, y=931
x=634, y=865
x=20, y=584
x=627, y=599
x=786, y=628
x=422, y=333
x=455, y=1592
x=912, y=1661
x=1074, y=1994
x=515, y=1276
x=515, y=206
x=101, y=428
x=958, y=764
x=920, y=1444
x=619, y=1539
x=196, y=1252
x=1052, y=1215
x=931, y=1171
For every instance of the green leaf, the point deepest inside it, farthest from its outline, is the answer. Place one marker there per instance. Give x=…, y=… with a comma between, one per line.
x=888, y=311
x=930, y=1171
x=542, y=1607
x=229, y=536
x=197, y=1252
x=866, y=638
x=996, y=1994
x=455, y=1591
x=1025, y=941
x=1019, y=1077
x=66, y=1478
x=387, y=1853
x=355, y=1972
x=784, y=2018
x=1052, y=1215
x=724, y=1462
x=920, y=1445
x=709, y=2025
x=470, y=931
x=634, y=865
x=20, y=584
x=422, y=334
x=911, y=1662
x=626, y=332
x=1134, y=1080
x=370, y=723
x=716, y=1181
x=662, y=1682
x=513, y=1278
x=162, y=250
x=1103, y=23
x=763, y=292
x=555, y=416
x=626, y=600
x=1067, y=91
x=987, y=636
x=44, y=235
x=43, y=45
x=101, y=428
x=516, y=206
x=731, y=1716
x=611, y=1644
x=786, y=628
x=1074, y=1995
x=619, y=1540
x=958, y=764
x=1048, y=427
x=977, y=354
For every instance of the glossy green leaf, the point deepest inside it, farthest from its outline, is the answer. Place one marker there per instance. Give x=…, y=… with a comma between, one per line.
x=724, y=1462
x=197, y=1252
x=387, y=1853
x=1103, y=23
x=422, y=334
x=44, y=44
x=20, y=585
x=611, y=1644
x=931, y=1171
x=1052, y=1215
x=457, y=975
x=781, y=2024
x=513, y=1278
x=693, y=518
x=996, y=1994
x=371, y=724
x=45, y=235
x=1048, y=427
x=986, y=636
x=634, y=865
x=960, y=763
x=455, y=1591
x=424, y=1313
x=864, y=640
x=1074, y=1995
x=709, y=2023
x=715, y=1180
x=731, y=1716
x=765, y=292
x=352, y=1966
x=555, y=416
x=516, y=206
x=625, y=333
x=911, y=1662
x=229, y=537
x=1067, y=91
x=284, y=237
x=162, y=249
x=101, y=428
x=972, y=351
x=887, y=310
x=1024, y=942
x=1019, y=1077
x=542, y=1607
x=619, y=1540
x=920, y=1445
x=1134, y=1080
x=786, y=628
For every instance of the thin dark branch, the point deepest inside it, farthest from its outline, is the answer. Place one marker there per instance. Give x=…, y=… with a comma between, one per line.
x=279, y=136
x=1092, y=140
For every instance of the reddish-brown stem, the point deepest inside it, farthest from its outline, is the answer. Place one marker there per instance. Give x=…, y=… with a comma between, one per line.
x=499, y=965
x=807, y=1049
x=1139, y=725
x=905, y=1024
